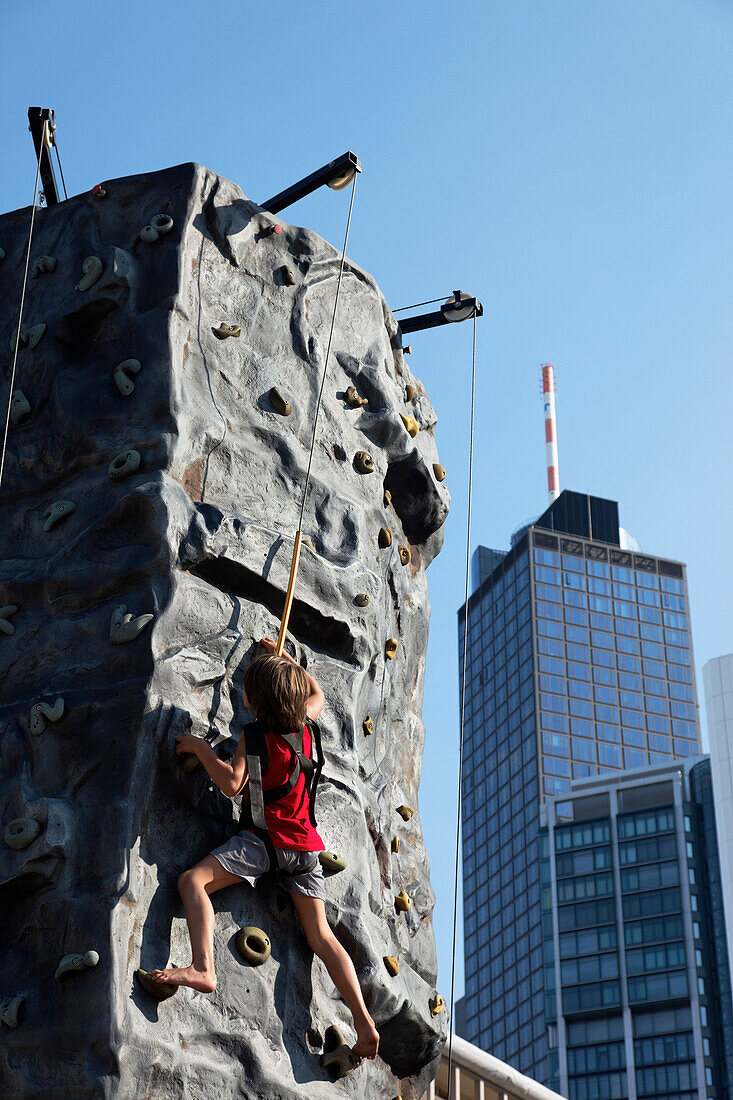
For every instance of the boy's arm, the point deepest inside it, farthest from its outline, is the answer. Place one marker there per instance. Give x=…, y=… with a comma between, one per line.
x=316, y=698
x=229, y=778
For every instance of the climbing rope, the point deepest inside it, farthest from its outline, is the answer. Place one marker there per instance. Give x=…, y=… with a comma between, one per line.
x=58, y=158
x=45, y=142
x=299, y=533
x=416, y=304
x=463, y=711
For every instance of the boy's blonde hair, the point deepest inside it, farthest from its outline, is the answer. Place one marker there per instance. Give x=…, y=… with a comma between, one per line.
x=277, y=690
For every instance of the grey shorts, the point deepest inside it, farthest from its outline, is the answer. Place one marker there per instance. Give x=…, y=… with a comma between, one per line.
x=246, y=856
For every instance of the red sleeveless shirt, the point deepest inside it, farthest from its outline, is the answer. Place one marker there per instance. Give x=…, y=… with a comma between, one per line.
x=288, y=820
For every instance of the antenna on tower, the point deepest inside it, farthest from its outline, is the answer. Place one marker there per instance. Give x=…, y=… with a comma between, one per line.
x=548, y=402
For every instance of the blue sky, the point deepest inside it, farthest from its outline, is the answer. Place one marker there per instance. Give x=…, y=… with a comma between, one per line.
x=568, y=162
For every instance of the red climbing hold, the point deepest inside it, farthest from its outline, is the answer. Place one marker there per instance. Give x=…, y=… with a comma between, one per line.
x=99, y=191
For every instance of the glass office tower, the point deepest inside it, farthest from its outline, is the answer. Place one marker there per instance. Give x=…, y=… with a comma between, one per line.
x=579, y=663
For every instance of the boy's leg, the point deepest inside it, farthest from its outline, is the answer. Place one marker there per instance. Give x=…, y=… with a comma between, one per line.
x=194, y=886
x=312, y=914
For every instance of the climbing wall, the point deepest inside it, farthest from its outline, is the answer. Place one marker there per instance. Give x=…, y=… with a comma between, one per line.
x=166, y=385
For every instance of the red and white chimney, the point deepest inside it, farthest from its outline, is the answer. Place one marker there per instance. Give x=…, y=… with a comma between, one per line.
x=548, y=402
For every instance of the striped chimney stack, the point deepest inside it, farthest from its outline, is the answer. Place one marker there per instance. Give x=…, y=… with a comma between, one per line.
x=548, y=401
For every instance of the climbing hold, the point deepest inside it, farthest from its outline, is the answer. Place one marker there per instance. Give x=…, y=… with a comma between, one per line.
x=2, y=253
x=41, y=713
x=163, y=223
x=329, y=861
x=124, y=465
x=402, y=902
x=148, y=234
x=361, y=599
x=76, y=962
x=124, y=628
x=98, y=191
x=409, y=396
x=253, y=945
x=160, y=990
x=405, y=555
x=125, y=384
x=10, y=1011
x=278, y=402
x=405, y=812
x=29, y=336
x=309, y=544
x=411, y=424
x=439, y=471
x=367, y=725
x=387, y=498
x=338, y=1057
x=20, y=407
x=43, y=263
x=364, y=462
x=407, y=349
x=437, y=1004
x=390, y=649
x=385, y=537
x=272, y=230
x=224, y=331
x=20, y=832
x=286, y=275
x=395, y=844
x=58, y=511
x=393, y=966
x=190, y=762
x=353, y=398
x=92, y=268
x=6, y=613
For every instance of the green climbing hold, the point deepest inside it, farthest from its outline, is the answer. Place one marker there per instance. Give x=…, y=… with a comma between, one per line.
x=409, y=392
x=405, y=812
x=286, y=275
x=10, y=1011
x=61, y=509
x=338, y=1057
x=278, y=402
x=6, y=613
x=160, y=990
x=364, y=462
x=43, y=264
x=124, y=465
x=124, y=628
x=42, y=713
x=20, y=832
x=405, y=554
x=361, y=599
x=390, y=649
x=121, y=375
x=329, y=861
x=437, y=1004
x=353, y=398
x=385, y=537
x=76, y=962
x=402, y=901
x=224, y=331
x=393, y=966
x=411, y=424
x=30, y=336
x=20, y=407
x=92, y=268
x=163, y=223
x=368, y=726
x=253, y=945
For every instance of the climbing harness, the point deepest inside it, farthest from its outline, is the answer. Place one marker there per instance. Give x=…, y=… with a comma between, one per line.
x=44, y=144
x=299, y=534
x=463, y=712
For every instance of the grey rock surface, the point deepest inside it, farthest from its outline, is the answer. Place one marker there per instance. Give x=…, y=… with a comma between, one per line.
x=199, y=536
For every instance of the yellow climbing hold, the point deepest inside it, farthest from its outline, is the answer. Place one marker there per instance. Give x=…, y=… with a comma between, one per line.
x=409, y=393
x=385, y=537
x=402, y=901
x=364, y=462
x=278, y=402
x=368, y=726
x=361, y=599
x=405, y=555
x=411, y=425
x=390, y=649
x=253, y=945
x=405, y=812
x=353, y=398
x=330, y=861
x=393, y=966
x=437, y=1004
x=439, y=471
x=387, y=497
x=395, y=844
x=224, y=331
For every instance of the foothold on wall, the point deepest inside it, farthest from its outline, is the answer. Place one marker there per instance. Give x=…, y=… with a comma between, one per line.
x=278, y=402
x=329, y=861
x=390, y=649
x=20, y=832
x=395, y=844
x=30, y=335
x=364, y=462
x=124, y=628
x=20, y=407
x=385, y=538
x=76, y=962
x=43, y=264
x=162, y=222
x=411, y=424
x=405, y=554
x=271, y=231
x=352, y=398
x=361, y=599
x=405, y=812
x=407, y=349
x=121, y=375
x=439, y=472
x=338, y=1057
x=41, y=713
x=253, y=945
x=393, y=966
x=224, y=331
x=387, y=497
x=57, y=511
x=402, y=902
x=368, y=725
x=409, y=393
x=10, y=1011
x=148, y=234
x=92, y=268
x=437, y=1004
x=6, y=613
x=124, y=465
x=160, y=990
x=286, y=275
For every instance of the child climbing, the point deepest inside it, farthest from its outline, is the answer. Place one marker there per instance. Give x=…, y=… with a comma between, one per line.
x=282, y=696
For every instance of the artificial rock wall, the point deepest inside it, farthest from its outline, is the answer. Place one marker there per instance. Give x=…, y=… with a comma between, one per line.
x=148, y=512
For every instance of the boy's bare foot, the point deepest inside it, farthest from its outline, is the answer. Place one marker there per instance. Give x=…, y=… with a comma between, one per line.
x=367, y=1041
x=202, y=980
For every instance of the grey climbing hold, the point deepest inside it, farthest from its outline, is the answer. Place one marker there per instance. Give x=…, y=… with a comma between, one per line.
x=392, y=964
x=353, y=398
x=57, y=511
x=329, y=861
x=149, y=234
x=76, y=962
x=409, y=393
x=368, y=725
x=385, y=537
x=436, y=1004
x=41, y=713
x=121, y=375
x=253, y=945
x=92, y=268
x=405, y=554
x=286, y=275
x=402, y=902
x=43, y=264
x=411, y=425
x=405, y=812
x=163, y=223
x=439, y=471
x=160, y=990
x=124, y=465
x=364, y=462
x=361, y=599
x=224, y=331
x=278, y=402
x=124, y=628
x=387, y=497
x=390, y=649
x=20, y=407
x=6, y=613
x=338, y=1057
x=395, y=844
x=10, y=1011
x=20, y=832
x=30, y=335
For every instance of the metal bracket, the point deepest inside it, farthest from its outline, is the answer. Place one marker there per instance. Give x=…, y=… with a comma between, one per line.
x=459, y=307
x=37, y=116
x=337, y=174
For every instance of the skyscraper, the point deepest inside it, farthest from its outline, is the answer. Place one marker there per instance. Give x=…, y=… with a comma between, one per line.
x=579, y=662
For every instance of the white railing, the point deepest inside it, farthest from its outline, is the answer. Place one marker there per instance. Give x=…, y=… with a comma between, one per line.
x=490, y=1078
